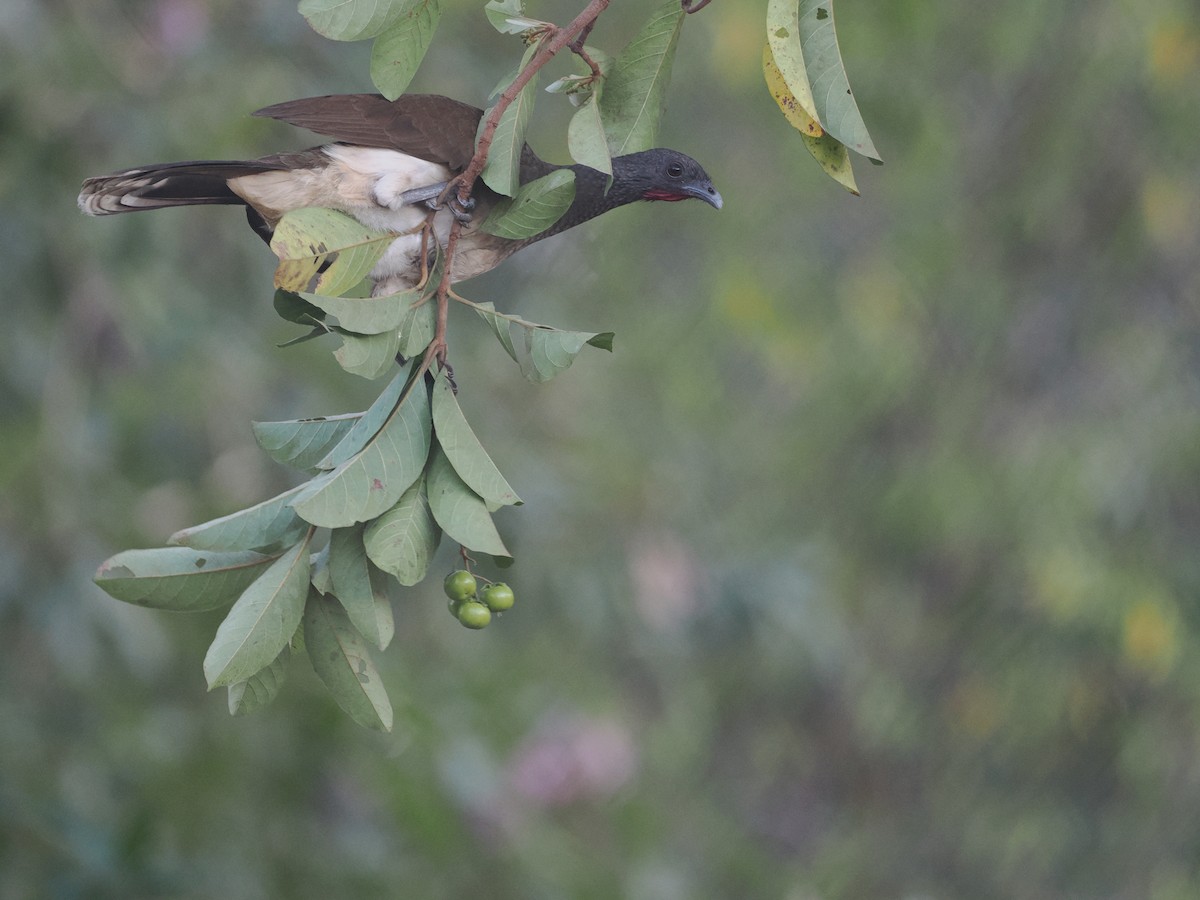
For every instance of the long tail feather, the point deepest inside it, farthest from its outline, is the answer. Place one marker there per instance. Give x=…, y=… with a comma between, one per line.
x=166, y=184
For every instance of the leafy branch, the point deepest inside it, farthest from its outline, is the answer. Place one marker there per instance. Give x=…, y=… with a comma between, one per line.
x=305, y=571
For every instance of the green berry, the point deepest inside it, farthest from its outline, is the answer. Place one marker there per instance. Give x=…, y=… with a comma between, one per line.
x=459, y=585
x=474, y=614
x=498, y=597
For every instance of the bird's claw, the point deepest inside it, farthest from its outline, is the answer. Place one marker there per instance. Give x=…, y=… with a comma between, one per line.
x=460, y=210
x=441, y=196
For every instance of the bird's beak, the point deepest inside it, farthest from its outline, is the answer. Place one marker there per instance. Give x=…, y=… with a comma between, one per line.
x=705, y=191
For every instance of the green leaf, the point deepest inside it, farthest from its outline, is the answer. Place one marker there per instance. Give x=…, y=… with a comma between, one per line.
x=340, y=657
x=508, y=17
x=501, y=326
x=367, y=315
x=369, y=356
x=350, y=573
x=385, y=622
x=325, y=252
x=397, y=52
x=402, y=541
x=319, y=577
x=536, y=207
x=461, y=512
x=464, y=451
x=503, y=170
x=260, y=688
x=783, y=38
x=635, y=92
x=586, y=140
x=262, y=621
x=836, y=109
x=827, y=150
x=547, y=351
x=302, y=443
x=291, y=307
x=368, y=423
x=373, y=480
x=352, y=20
x=417, y=329
x=179, y=578
x=270, y=523
x=551, y=350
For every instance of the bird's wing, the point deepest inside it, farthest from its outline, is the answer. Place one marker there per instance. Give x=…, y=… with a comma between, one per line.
x=427, y=126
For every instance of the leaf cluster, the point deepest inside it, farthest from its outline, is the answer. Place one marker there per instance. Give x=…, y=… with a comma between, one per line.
x=306, y=570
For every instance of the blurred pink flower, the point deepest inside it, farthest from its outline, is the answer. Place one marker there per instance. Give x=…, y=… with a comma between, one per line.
x=182, y=25
x=570, y=759
x=666, y=577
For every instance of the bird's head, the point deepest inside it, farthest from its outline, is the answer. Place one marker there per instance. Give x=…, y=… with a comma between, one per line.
x=662, y=174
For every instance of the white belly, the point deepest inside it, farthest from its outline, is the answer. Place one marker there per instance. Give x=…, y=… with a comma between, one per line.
x=366, y=183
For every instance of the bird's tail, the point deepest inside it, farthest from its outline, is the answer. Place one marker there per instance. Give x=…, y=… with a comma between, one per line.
x=167, y=184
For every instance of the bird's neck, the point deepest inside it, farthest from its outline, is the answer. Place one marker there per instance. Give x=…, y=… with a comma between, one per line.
x=593, y=196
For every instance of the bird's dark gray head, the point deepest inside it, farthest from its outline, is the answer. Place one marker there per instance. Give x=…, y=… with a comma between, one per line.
x=662, y=174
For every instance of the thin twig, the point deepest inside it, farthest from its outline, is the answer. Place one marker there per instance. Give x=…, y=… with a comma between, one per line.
x=577, y=47
x=693, y=6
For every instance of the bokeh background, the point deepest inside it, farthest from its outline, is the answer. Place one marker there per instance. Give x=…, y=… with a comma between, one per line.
x=866, y=567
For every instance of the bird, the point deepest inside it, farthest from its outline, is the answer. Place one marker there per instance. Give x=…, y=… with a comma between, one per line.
x=387, y=165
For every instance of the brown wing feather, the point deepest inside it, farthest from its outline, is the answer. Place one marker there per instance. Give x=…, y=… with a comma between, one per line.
x=427, y=126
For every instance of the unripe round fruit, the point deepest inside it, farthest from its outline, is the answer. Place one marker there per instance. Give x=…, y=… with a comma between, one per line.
x=474, y=614
x=459, y=585
x=498, y=597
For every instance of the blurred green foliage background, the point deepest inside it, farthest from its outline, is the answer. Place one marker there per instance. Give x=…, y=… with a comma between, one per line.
x=866, y=567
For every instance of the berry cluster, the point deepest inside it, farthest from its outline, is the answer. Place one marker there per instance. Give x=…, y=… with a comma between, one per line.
x=473, y=606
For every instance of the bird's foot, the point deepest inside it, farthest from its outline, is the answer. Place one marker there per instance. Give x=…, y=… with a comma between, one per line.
x=441, y=196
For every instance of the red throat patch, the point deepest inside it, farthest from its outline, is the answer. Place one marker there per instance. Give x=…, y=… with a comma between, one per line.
x=669, y=196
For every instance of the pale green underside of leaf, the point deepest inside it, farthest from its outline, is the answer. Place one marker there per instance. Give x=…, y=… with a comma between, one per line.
x=319, y=576
x=307, y=239
x=262, y=621
x=352, y=20
x=827, y=150
x=804, y=44
x=551, y=351
x=503, y=169
x=369, y=356
x=498, y=12
x=459, y=511
x=783, y=36
x=402, y=541
x=368, y=423
x=536, y=207
x=180, y=578
x=260, y=688
x=546, y=351
x=586, y=141
x=350, y=575
x=374, y=479
x=464, y=450
x=340, y=657
x=397, y=52
x=831, y=93
x=367, y=315
x=302, y=443
x=270, y=523
x=635, y=92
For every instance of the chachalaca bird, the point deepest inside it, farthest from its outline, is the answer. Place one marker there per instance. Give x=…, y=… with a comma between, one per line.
x=388, y=166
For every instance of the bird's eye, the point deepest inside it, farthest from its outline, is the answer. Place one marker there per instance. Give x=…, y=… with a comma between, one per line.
x=674, y=170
